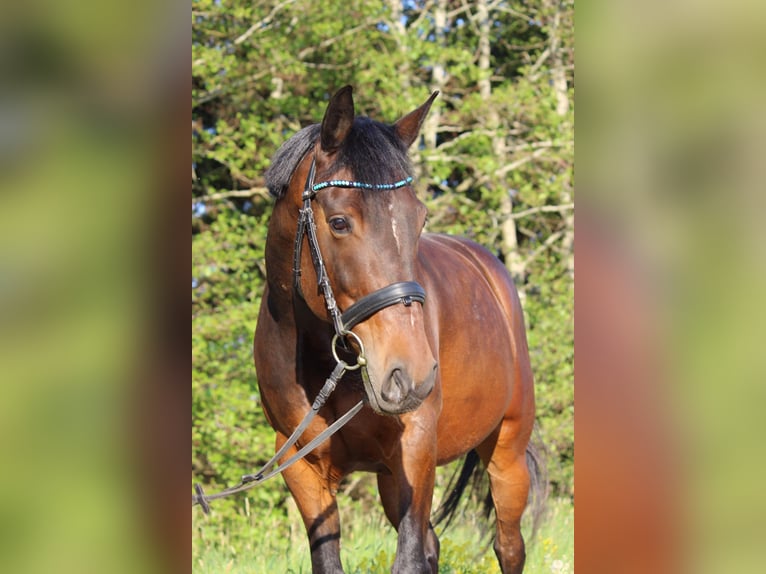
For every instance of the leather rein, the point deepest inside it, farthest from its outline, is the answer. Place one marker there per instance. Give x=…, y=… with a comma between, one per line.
x=404, y=292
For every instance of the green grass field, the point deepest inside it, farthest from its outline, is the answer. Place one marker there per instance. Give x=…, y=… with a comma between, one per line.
x=272, y=543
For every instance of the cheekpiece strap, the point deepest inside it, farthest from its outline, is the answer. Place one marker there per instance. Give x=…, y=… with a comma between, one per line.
x=308, y=190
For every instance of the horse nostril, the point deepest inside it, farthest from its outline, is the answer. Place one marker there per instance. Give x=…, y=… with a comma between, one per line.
x=396, y=387
x=428, y=384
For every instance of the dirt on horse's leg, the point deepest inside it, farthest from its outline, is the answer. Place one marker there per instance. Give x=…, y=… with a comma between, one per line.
x=315, y=497
x=506, y=464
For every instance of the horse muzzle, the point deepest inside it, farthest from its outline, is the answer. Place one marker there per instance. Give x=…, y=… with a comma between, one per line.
x=398, y=392
x=403, y=386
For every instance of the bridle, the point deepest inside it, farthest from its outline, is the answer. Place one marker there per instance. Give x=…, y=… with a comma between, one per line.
x=404, y=292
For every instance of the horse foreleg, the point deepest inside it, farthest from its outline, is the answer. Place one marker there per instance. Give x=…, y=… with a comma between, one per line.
x=406, y=494
x=315, y=496
x=389, y=496
x=506, y=464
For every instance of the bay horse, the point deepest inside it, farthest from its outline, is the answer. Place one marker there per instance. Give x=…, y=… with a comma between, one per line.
x=446, y=368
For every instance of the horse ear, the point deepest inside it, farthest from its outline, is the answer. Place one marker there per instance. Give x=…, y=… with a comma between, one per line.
x=338, y=119
x=408, y=127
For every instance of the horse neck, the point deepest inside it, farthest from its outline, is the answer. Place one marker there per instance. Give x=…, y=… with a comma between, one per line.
x=279, y=252
x=280, y=243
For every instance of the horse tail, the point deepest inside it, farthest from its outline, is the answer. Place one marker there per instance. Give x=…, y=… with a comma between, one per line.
x=536, y=455
x=456, y=487
x=472, y=473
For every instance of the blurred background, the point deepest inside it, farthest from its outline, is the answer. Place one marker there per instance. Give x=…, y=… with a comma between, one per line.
x=90, y=96
x=670, y=147
x=94, y=253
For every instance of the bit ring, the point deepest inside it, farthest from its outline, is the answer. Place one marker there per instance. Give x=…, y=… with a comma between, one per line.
x=361, y=360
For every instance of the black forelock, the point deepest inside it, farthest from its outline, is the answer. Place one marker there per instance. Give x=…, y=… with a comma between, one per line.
x=287, y=158
x=372, y=152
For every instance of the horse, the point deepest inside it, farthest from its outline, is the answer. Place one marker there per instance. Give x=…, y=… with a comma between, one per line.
x=438, y=333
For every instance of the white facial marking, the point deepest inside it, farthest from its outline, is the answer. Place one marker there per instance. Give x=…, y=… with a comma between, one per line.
x=393, y=227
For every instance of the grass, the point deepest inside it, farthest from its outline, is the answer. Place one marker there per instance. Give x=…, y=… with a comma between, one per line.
x=272, y=542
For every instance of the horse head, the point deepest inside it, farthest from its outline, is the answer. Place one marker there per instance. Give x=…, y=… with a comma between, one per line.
x=368, y=223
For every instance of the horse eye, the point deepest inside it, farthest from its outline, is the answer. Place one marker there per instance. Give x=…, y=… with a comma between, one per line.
x=339, y=224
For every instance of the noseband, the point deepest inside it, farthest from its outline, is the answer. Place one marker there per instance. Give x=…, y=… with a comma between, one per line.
x=404, y=292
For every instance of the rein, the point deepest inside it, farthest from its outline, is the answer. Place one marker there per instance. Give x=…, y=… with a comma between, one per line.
x=404, y=292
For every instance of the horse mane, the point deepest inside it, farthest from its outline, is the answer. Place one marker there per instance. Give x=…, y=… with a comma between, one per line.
x=372, y=152
x=287, y=158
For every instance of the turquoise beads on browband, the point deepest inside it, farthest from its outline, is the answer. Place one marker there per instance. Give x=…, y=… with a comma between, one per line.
x=360, y=184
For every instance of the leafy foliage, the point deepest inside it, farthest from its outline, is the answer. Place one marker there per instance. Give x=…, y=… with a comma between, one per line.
x=495, y=165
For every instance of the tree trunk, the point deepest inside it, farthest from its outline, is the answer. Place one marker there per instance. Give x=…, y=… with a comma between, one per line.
x=438, y=76
x=561, y=89
x=513, y=259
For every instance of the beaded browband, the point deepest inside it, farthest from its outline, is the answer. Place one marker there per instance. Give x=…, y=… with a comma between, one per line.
x=360, y=184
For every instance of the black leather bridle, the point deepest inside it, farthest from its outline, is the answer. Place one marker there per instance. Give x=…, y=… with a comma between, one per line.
x=404, y=292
